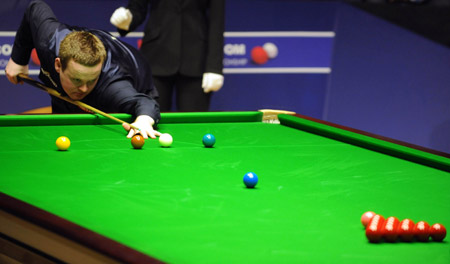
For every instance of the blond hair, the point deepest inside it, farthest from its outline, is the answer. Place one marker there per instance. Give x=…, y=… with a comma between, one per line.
x=83, y=47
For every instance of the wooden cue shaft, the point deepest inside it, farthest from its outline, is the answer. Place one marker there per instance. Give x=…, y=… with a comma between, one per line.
x=29, y=80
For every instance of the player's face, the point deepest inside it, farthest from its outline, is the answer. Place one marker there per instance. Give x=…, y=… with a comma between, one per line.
x=78, y=80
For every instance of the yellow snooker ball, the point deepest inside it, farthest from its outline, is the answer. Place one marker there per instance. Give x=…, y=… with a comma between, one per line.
x=62, y=143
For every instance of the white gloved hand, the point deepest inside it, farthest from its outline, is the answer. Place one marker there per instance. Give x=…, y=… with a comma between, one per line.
x=121, y=18
x=145, y=124
x=212, y=82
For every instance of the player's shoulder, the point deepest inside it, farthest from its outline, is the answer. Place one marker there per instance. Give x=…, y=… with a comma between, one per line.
x=39, y=7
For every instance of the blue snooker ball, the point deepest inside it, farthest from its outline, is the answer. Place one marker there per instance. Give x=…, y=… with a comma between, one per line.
x=209, y=140
x=250, y=179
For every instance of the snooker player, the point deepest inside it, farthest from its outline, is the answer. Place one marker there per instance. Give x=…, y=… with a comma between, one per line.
x=87, y=65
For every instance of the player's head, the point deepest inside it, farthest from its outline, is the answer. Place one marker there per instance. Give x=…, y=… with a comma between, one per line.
x=79, y=63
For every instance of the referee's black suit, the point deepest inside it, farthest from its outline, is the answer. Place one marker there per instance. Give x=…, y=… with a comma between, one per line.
x=183, y=39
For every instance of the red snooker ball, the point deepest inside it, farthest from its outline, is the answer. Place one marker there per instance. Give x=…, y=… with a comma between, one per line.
x=405, y=230
x=137, y=141
x=422, y=231
x=365, y=218
x=390, y=229
x=438, y=232
x=374, y=230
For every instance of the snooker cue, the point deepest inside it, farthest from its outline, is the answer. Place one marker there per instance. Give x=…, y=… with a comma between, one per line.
x=32, y=82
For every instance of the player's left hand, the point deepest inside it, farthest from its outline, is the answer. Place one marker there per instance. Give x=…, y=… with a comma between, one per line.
x=145, y=124
x=212, y=82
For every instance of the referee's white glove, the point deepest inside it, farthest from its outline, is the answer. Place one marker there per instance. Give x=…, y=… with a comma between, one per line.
x=145, y=124
x=212, y=82
x=121, y=18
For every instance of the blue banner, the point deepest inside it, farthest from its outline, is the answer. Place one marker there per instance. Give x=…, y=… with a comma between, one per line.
x=278, y=52
x=244, y=52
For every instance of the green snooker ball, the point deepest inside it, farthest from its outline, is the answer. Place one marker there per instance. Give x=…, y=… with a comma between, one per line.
x=209, y=140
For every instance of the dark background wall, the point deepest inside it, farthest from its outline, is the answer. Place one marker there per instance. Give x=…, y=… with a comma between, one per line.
x=383, y=76
x=390, y=81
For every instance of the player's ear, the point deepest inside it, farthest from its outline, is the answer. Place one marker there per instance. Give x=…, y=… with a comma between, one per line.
x=58, y=65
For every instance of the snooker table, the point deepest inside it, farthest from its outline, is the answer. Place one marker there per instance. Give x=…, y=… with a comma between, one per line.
x=104, y=202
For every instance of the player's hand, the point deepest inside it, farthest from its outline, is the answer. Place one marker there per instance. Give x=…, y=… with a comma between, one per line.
x=121, y=18
x=212, y=82
x=13, y=69
x=145, y=124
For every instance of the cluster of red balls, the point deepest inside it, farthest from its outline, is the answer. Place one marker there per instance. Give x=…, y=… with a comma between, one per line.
x=392, y=230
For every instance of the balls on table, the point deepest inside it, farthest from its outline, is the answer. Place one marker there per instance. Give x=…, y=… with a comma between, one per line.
x=405, y=230
x=390, y=229
x=374, y=229
x=422, y=231
x=62, y=143
x=209, y=140
x=250, y=179
x=438, y=232
x=165, y=140
x=137, y=141
x=365, y=218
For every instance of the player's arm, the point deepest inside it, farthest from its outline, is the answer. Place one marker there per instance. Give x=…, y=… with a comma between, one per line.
x=147, y=115
x=122, y=97
x=145, y=124
x=38, y=23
